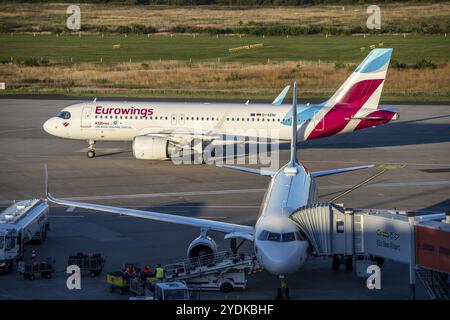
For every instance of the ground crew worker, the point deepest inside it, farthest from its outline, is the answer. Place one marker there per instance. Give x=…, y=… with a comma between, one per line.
x=159, y=272
x=34, y=260
x=146, y=270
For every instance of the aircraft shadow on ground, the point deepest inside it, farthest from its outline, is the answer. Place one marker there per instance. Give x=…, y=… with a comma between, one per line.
x=393, y=134
x=100, y=154
x=195, y=209
x=440, y=206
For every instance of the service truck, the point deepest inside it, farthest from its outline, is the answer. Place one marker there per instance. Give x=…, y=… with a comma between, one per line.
x=20, y=223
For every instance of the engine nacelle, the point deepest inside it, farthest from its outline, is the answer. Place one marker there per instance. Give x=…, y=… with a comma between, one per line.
x=201, y=246
x=152, y=148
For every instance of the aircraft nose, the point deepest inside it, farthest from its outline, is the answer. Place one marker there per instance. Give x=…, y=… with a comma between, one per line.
x=284, y=257
x=49, y=126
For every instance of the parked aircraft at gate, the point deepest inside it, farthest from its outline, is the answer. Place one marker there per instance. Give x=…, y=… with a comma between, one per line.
x=157, y=129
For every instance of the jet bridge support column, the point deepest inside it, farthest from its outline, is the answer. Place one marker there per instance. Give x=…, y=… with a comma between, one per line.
x=412, y=256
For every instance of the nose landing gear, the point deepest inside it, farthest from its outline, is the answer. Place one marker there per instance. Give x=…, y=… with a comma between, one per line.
x=91, y=150
x=283, y=291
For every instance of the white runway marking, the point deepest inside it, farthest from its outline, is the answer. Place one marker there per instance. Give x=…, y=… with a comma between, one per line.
x=198, y=217
x=70, y=209
x=18, y=130
x=66, y=216
x=392, y=184
x=241, y=191
x=167, y=194
x=379, y=162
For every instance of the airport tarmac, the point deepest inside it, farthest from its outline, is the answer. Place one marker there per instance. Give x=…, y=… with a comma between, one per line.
x=419, y=141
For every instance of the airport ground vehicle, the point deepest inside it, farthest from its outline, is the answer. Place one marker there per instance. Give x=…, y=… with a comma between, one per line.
x=20, y=223
x=176, y=290
x=91, y=263
x=118, y=281
x=44, y=268
x=222, y=271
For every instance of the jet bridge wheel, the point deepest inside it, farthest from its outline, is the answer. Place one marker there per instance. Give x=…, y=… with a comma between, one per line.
x=226, y=287
x=90, y=154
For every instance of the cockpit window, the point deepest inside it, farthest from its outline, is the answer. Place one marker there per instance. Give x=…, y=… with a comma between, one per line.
x=274, y=237
x=287, y=237
x=64, y=115
x=280, y=237
x=263, y=235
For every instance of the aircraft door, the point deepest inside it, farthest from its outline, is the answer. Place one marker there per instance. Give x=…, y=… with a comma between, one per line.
x=174, y=119
x=181, y=120
x=319, y=120
x=86, y=117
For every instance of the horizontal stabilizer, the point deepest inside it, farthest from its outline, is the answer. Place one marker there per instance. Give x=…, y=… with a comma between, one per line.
x=249, y=170
x=336, y=171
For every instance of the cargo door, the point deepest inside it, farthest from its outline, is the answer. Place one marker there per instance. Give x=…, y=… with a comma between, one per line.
x=86, y=117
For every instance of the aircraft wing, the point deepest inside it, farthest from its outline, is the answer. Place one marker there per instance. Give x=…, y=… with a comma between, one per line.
x=158, y=216
x=336, y=171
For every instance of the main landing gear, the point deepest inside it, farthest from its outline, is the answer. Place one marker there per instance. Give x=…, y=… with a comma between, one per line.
x=91, y=150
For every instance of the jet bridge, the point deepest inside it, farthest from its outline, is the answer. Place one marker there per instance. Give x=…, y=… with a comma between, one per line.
x=420, y=240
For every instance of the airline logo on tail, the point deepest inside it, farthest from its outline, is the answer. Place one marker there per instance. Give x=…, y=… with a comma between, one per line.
x=357, y=99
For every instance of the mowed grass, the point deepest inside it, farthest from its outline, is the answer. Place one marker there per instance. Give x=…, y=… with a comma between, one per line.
x=96, y=48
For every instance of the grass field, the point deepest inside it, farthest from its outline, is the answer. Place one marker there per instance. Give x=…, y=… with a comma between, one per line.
x=203, y=67
x=52, y=16
x=93, y=48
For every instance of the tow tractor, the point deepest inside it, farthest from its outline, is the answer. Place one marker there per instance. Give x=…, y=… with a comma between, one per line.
x=20, y=223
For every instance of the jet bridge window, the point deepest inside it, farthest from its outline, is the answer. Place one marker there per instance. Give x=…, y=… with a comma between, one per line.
x=64, y=115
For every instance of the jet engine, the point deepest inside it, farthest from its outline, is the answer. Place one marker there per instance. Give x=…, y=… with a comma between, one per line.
x=152, y=148
x=201, y=246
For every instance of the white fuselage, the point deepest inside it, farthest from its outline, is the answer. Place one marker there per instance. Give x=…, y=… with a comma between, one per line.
x=116, y=121
x=279, y=246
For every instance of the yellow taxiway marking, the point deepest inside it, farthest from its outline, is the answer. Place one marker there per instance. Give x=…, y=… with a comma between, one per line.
x=383, y=167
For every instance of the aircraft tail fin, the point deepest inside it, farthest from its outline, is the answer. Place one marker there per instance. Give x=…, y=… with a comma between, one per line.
x=294, y=161
x=364, y=86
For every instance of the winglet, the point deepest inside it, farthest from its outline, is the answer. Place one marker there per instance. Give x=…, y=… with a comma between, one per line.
x=280, y=98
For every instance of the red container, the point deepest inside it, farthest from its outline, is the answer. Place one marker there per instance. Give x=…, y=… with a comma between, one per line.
x=433, y=248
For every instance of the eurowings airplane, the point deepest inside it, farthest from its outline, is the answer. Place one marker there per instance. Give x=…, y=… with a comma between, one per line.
x=279, y=245
x=157, y=130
